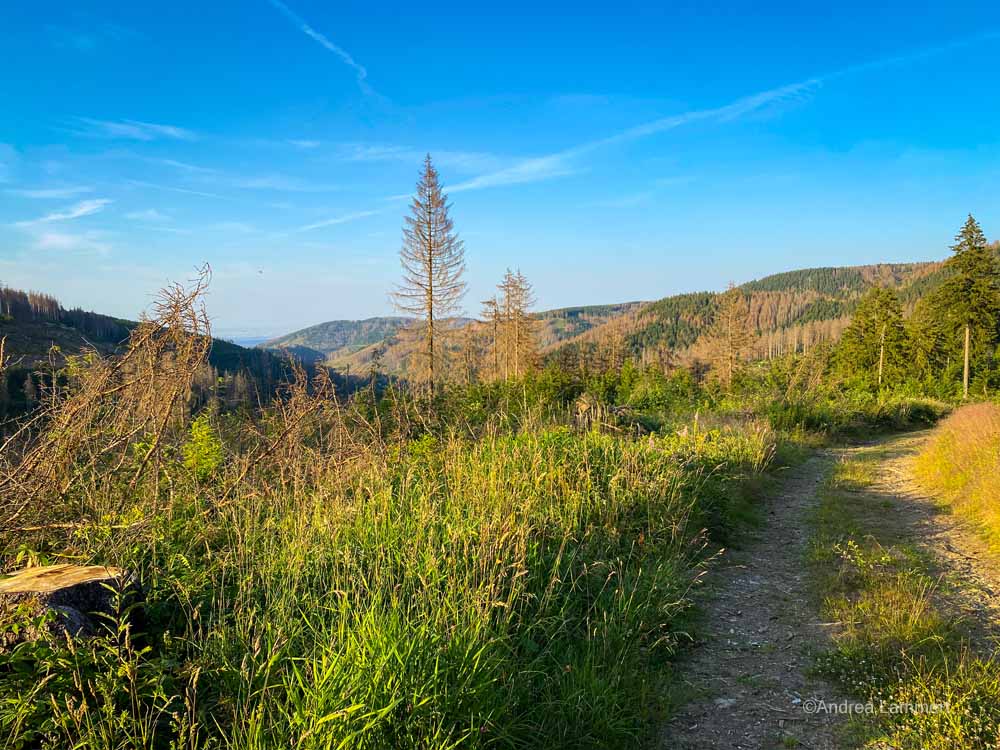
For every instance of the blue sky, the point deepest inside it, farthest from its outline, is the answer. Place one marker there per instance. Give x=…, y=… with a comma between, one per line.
x=609, y=156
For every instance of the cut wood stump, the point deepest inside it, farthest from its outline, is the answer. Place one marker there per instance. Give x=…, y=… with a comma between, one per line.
x=80, y=596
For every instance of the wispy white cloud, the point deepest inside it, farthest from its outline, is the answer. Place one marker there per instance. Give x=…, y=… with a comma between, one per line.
x=134, y=130
x=525, y=171
x=562, y=162
x=147, y=215
x=53, y=192
x=77, y=211
x=304, y=144
x=212, y=177
x=183, y=166
x=174, y=189
x=463, y=161
x=336, y=220
x=282, y=183
x=373, y=152
x=92, y=242
x=360, y=73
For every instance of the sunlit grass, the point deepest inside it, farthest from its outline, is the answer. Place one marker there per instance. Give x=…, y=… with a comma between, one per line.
x=894, y=644
x=961, y=464
x=518, y=590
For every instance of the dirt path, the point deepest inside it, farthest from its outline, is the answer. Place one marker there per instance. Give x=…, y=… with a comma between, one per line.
x=968, y=571
x=748, y=675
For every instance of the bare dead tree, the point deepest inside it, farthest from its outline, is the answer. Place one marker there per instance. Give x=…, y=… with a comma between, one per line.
x=493, y=320
x=731, y=334
x=433, y=261
x=518, y=329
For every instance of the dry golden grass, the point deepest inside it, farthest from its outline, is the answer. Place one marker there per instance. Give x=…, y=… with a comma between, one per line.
x=961, y=464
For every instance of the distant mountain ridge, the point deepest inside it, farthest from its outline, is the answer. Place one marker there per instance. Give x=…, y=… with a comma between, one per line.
x=790, y=311
x=351, y=344
x=335, y=339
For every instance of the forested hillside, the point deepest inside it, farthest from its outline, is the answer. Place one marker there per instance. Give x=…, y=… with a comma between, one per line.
x=567, y=322
x=788, y=312
x=39, y=335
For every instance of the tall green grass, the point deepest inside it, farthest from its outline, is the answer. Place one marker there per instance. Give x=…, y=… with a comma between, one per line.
x=514, y=591
x=961, y=464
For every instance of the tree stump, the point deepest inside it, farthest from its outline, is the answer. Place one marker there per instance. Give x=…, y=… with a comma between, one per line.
x=80, y=596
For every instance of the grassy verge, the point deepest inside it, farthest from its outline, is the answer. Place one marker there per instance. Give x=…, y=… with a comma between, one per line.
x=513, y=591
x=961, y=464
x=895, y=646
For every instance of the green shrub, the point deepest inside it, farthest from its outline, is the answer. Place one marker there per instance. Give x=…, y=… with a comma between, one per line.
x=203, y=453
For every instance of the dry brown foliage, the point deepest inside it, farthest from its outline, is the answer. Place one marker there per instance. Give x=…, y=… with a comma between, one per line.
x=103, y=422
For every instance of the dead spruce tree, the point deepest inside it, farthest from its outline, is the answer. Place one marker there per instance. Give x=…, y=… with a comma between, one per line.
x=433, y=260
x=518, y=341
x=731, y=334
x=493, y=320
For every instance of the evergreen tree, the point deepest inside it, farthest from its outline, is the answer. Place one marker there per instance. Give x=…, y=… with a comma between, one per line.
x=969, y=299
x=433, y=260
x=927, y=340
x=874, y=346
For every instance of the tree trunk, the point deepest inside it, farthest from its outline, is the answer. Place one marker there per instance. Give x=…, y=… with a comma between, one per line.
x=881, y=355
x=81, y=598
x=965, y=371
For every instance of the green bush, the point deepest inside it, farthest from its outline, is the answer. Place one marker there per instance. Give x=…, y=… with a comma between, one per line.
x=203, y=453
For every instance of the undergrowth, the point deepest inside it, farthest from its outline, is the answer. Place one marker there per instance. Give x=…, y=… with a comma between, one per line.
x=512, y=590
x=496, y=565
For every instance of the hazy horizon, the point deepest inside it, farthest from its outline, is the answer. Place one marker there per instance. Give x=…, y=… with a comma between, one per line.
x=628, y=157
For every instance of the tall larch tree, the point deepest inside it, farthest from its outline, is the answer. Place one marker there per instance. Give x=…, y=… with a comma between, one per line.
x=969, y=299
x=433, y=261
